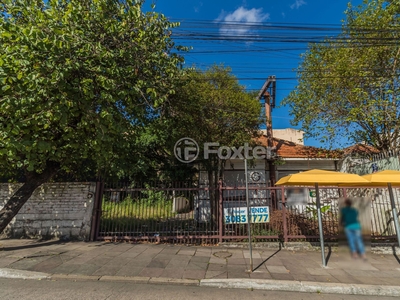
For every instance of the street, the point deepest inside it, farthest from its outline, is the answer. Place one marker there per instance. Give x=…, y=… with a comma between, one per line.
x=99, y=290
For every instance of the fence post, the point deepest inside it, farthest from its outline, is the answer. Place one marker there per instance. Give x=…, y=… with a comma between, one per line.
x=285, y=233
x=96, y=214
x=221, y=212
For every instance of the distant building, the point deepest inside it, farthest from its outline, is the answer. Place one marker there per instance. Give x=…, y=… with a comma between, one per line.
x=288, y=134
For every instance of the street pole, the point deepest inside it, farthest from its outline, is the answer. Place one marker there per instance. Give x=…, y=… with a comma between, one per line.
x=321, y=230
x=248, y=215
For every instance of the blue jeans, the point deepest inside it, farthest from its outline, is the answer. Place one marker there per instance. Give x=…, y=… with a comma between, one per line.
x=355, y=240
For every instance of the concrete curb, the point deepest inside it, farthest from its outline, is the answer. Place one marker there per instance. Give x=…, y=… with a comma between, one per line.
x=134, y=279
x=259, y=284
x=304, y=286
x=22, y=274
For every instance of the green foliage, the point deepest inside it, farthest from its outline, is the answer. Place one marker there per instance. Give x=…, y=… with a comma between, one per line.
x=153, y=197
x=212, y=107
x=349, y=84
x=153, y=207
x=313, y=209
x=79, y=80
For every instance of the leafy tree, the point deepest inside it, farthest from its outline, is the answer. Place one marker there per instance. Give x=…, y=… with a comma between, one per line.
x=79, y=80
x=349, y=85
x=212, y=107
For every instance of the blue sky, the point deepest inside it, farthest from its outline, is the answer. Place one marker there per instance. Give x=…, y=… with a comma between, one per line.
x=256, y=39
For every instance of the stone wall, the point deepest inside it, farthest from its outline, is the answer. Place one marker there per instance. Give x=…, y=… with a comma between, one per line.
x=55, y=210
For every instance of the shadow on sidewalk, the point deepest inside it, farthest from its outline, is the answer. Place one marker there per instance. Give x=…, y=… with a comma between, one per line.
x=395, y=254
x=272, y=255
x=329, y=254
x=35, y=245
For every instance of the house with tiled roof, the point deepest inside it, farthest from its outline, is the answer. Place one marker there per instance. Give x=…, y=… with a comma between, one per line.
x=288, y=157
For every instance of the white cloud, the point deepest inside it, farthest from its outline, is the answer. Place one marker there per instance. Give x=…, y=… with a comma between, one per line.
x=197, y=8
x=297, y=4
x=240, y=17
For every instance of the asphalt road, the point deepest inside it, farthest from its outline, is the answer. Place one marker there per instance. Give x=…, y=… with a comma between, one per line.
x=59, y=290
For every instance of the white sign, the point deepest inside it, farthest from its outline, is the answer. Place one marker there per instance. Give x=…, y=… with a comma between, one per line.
x=238, y=215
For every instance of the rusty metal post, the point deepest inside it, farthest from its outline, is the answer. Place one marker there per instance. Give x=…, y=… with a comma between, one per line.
x=220, y=212
x=320, y=227
x=96, y=214
x=285, y=227
x=394, y=213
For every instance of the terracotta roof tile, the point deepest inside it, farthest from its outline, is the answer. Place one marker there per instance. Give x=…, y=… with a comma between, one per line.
x=287, y=149
x=360, y=149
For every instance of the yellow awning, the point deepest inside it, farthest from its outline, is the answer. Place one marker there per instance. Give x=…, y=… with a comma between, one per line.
x=323, y=178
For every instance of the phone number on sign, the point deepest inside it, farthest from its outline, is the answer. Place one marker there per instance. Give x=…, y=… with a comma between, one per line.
x=243, y=219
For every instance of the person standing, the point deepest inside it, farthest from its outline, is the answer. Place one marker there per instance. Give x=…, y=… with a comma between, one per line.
x=352, y=229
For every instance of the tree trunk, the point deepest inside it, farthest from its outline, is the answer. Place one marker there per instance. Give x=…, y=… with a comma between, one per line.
x=19, y=198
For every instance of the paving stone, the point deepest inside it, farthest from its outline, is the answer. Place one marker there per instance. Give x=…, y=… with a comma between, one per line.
x=217, y=267
x=325, y=278
x=273, y=262
x=281, y=276
x=196, y=266
x=383, y=267
x=200, y=259
x=27, y=263
x=65, y=268
x=139, y=263
x=173, y=273
x=260, y=275
x=365, y=273
x=6, y=261
x=239, y=268
x=158, y=263
x=120, y=261
x=202, y=254
x=108, y=270
x=277, y=269
x=85, y=269
x=151, y=272
x=187, y=252
x=129, y=271
x=176, y=262
x=215, y=260
x=48, y=265
x=346, y=279
x=336, y=272
x=393, y=273
x=131, y=255
x=99, y=261
x=236, y=261
x=303, y=277
x=216, y=274
x=373, y=280
x=194, y=274
x=317, y=271
x=255, y=255
x=178, y=265
x=163, y=256
x=390, y=281
x=241, y=275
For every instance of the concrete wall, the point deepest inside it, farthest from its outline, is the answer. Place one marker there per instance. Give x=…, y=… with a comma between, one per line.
x=55, y=210
x=288, y=134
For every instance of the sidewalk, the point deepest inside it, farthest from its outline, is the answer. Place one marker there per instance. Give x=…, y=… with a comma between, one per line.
x=213, y=266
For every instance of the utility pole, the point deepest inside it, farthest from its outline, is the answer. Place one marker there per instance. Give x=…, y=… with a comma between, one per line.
x=268, y=95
